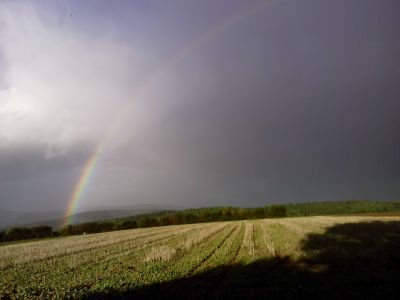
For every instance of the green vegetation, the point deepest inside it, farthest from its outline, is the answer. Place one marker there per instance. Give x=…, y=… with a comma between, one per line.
x=215, y=214
x=202, y=215
x=314, y=257
x=340, y=208
x=23, y=233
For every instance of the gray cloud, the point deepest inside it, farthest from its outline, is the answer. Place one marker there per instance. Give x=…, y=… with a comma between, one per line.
x=297, y=102
x=29, y=160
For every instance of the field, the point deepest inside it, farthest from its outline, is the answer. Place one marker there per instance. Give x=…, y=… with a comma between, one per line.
x=328, y=257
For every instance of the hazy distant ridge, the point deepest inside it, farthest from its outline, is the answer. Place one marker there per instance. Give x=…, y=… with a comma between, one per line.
x=56, y=218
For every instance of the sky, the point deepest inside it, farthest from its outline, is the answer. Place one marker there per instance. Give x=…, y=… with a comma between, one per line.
x=198, y=103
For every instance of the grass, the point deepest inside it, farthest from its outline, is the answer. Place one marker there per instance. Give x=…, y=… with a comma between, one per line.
x=380, y=214
x=328, y=257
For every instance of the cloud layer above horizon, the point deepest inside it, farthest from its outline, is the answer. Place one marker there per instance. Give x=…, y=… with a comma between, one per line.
x=223, y=102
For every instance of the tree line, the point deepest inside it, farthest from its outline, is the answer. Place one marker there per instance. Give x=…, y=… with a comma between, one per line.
x=25, y=233
x=164, y=218
x=201, y=215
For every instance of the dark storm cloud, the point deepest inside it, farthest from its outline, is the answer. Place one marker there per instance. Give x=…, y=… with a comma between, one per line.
x=298, y=101
x=26, y=161
x=318, y=109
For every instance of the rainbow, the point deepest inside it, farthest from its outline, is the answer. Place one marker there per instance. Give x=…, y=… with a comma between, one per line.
x=82, y=182
x=89, y=167
x=196, y=43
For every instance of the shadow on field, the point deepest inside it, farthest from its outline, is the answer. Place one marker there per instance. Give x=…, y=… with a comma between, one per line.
x=357, y=260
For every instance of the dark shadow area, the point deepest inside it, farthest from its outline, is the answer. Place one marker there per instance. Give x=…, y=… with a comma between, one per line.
x=354, y=260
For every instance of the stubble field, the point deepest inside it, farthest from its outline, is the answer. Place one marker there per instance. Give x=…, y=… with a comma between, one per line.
x=328, y=257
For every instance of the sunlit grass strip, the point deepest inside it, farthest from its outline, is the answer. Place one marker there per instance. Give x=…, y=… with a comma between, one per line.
x=39, y=250
x=93, y=268
x=76, y=268
x=247, y=250
x=226, y=251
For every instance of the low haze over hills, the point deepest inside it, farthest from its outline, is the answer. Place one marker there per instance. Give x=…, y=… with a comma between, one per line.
x=56, y=218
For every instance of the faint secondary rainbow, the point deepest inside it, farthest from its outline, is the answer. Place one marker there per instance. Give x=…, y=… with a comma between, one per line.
x=196, y=43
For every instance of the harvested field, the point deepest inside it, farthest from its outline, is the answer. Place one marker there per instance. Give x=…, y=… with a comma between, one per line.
x=291, y=257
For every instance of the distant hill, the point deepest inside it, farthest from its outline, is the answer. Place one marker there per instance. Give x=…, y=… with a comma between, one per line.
x=228, y=213
x=56, y=218
x=141, y=212
x=8, y=217
x=91, y=216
